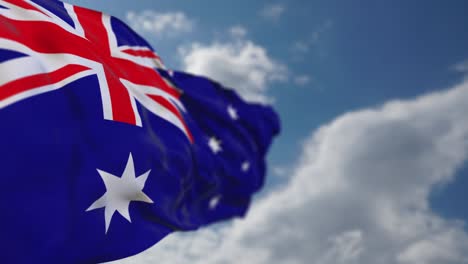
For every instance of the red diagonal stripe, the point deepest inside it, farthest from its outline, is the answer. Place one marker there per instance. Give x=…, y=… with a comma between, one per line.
x=141, y=53
x=143, y=76
x=121, y=103
x=39, y=80
x=46, y=37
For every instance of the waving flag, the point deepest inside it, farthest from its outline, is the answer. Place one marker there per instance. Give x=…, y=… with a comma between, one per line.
x=103, y=152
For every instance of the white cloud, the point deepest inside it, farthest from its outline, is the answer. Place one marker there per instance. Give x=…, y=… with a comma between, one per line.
x=238, y=32
x=241, y=65
x=272, y=12
x=169, y=23
x=359, y=195
x=302, y=80
x=446, y=247
x=461, y=67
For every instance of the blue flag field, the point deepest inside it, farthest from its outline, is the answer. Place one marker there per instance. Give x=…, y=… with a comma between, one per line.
x=103, y=151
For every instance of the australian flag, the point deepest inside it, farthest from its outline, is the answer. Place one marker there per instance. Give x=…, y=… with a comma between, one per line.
x=102, y=151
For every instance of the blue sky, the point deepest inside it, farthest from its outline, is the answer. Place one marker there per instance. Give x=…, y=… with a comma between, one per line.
x=359, y=66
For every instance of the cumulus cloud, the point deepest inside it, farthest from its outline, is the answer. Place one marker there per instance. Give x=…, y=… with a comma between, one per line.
x=241, y=65
x=358, y=195
x=169, y=23
x=272, y=12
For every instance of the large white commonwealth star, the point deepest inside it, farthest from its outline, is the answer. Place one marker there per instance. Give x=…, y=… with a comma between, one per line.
x=120, y=191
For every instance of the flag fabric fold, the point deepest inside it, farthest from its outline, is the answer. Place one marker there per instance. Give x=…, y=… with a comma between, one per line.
x=104, y=152
x=237, y=134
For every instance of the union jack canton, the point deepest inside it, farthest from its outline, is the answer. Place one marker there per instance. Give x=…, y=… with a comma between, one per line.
x=79, y=43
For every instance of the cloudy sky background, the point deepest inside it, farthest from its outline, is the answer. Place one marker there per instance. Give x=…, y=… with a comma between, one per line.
x=371, y=166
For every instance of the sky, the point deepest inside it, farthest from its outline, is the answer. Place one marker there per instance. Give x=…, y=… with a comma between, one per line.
x=371, y=165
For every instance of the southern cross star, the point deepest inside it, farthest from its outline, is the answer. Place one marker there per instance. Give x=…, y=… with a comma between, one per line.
x=120, y=191
x=245, y=166
x=232, y=112
x=215, y=145
x=214, y=202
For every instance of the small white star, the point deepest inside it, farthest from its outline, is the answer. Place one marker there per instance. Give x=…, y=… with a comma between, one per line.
x=214, y=202
x=245, y=166
x=120, y=191
x=232, y=112
x=215, y=145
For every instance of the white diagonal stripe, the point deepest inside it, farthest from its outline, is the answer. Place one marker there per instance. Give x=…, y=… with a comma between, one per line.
x=17, y=13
